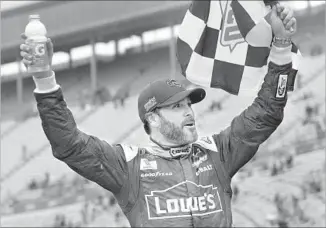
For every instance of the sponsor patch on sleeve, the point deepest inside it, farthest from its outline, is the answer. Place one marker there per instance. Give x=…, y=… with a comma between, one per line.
x=281, y=86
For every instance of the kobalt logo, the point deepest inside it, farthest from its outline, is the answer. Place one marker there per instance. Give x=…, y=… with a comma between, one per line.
x=161, y=207
x=156, y=174
x=204, y=169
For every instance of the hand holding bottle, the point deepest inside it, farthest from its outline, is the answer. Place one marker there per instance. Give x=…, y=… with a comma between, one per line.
x=37, y=50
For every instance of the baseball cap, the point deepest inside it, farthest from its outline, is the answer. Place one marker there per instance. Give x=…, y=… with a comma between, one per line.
x=165, y=92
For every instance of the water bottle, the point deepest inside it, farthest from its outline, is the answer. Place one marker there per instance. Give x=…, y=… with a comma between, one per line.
x=35, y=32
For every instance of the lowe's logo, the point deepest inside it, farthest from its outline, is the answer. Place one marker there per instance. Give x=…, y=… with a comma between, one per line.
x=161, y=206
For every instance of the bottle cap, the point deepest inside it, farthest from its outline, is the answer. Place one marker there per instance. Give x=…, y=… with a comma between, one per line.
x=34, y=16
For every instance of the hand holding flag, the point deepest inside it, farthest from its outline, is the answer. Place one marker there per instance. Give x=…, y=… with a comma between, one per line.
x=283, y=24
x=226, y=44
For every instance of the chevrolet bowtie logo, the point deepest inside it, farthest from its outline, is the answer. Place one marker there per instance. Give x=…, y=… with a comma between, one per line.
x=172, y=82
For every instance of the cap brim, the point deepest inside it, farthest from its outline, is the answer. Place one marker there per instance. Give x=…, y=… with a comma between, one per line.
x=196, y=95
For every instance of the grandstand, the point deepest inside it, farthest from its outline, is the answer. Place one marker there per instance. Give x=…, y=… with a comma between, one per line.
x=26, y=155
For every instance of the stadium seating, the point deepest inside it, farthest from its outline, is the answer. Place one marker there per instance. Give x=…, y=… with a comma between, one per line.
x=36, y=142
x=122, y=125
x=13, y=142
x=257, y=192
x=6, y=126
x=43, y=218
x=113, y=217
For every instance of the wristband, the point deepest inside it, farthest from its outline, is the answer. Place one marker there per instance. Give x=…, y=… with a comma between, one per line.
x=282, y=41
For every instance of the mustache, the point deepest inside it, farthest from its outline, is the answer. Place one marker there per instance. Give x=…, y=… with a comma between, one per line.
x=190, y=119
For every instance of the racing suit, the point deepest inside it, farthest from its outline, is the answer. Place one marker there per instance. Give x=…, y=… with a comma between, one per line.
x=156, y=186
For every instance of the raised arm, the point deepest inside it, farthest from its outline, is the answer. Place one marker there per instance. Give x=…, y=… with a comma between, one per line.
x=87, y=155
x=239, y=142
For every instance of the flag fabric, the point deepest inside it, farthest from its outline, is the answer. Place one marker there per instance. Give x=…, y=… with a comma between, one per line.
x=226, y=44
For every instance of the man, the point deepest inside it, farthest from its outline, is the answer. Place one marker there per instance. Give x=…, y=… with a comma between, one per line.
x=178, y=180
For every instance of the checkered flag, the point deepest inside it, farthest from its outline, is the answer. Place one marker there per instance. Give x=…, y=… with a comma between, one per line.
x=226, y=44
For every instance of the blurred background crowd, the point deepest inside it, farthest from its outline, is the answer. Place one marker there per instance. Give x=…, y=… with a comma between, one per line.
x=105, y=52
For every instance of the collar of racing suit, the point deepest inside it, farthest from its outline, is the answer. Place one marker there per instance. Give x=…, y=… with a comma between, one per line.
x=169, y=152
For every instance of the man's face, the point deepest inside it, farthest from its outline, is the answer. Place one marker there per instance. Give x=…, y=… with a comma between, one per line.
x=177, y=123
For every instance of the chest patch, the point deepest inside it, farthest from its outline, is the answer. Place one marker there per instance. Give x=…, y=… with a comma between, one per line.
x=165, y=204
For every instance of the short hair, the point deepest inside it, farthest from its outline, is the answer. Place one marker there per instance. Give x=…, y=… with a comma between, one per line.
x=147, y=127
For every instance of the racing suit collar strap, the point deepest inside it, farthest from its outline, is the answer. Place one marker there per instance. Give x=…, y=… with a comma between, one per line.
x=172, y=152
x=180, y=151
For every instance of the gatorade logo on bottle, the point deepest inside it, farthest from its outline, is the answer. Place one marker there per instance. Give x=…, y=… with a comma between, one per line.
x=35, y=32
x=39, y=49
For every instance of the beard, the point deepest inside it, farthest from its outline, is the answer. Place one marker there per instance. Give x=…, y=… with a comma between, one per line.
x=177, y=134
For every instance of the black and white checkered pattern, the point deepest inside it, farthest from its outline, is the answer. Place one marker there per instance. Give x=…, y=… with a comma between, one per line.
x=226, y=44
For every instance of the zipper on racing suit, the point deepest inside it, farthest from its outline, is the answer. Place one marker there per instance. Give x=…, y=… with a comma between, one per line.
x=183, y=159
x=225, y=182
